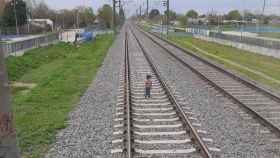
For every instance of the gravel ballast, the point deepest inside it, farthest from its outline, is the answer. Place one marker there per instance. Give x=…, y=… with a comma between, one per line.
x=89, y=131
x=232, y=129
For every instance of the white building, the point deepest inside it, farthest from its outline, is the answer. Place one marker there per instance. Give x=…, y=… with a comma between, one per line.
x=43, y=23
x=175, y=22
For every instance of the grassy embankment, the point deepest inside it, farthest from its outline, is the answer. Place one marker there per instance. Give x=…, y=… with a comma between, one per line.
x=243, y=62
x=146, y=26
x=270, y=35
x=59, y=75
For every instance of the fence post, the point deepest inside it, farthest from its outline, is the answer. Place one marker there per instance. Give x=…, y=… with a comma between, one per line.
x=8, y=144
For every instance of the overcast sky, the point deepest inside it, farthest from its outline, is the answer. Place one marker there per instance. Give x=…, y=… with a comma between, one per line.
x=181, y=6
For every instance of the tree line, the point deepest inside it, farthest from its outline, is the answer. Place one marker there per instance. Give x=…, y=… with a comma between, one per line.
x=80, y=16
x=213, y=17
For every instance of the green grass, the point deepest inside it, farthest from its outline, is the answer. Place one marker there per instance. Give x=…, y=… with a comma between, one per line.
x=18, y=66
x=146, y=26
x=270, y=34
x=267, y=65
x=62, y=74
x=228, y=28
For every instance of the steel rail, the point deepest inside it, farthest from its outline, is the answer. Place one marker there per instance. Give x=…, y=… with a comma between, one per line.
x=264, y=121
x=202, y=148
x=127, y=100
x=265, y=90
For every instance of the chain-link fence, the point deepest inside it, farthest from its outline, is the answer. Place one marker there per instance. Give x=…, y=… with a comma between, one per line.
x=258, y=41
x=18, y=47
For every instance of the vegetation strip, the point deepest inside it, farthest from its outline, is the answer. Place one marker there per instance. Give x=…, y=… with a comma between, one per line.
x=61, y=73
x=237, y=65
x=260, y=68
x=271, y=35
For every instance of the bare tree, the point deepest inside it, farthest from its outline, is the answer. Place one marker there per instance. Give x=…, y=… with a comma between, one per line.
x=7, y=130
x=2, y=6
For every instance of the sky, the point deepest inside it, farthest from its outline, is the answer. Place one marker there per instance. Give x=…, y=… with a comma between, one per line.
x=180, y=6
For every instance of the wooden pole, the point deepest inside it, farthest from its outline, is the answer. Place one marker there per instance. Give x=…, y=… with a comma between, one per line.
x=8, y=144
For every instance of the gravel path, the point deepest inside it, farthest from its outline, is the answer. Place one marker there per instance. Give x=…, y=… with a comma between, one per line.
x=234, y=131
x=89, y=131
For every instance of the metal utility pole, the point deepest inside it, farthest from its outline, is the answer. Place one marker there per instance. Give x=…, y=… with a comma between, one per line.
x=264, y=4
x=8, y=144
x=147, y=14
x=140, y=10
x=28, y=18
x=166, y=3
x=63, y=20
x=77, y=20
x=114, y=13
x=114, y=16
x=15, y=12
x=261, y=19
x=120, y=6
x=263, y=9
x=167, y=29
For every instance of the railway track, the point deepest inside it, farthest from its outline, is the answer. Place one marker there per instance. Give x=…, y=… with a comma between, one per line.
x=258, y=102
x=159, y=126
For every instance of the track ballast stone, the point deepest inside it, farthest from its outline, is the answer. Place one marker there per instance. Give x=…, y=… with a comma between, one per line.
x=89, y=131
x=236, y=135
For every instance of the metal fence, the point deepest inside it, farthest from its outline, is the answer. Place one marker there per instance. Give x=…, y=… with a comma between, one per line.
x=262, y=42
x=18, y=47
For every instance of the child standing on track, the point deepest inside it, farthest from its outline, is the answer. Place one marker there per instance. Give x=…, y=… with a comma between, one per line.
x=148, y=86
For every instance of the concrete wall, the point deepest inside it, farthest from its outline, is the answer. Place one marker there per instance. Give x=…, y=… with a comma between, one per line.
x=252, y=48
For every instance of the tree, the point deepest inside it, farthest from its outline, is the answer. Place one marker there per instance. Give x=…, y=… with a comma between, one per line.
x=234, y=15
x=266, y=20
x=2, y=6
x=172, y=15
x=9, y=13
x=192, y=14
x=41, y=11
x=154, y=13
x=86, y=16
x=67, y=18
x=202, y=16
x=105, y=14
x=182, y=19
x=248, y=15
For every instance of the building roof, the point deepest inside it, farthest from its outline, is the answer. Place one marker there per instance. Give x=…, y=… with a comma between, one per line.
x=47, y=21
